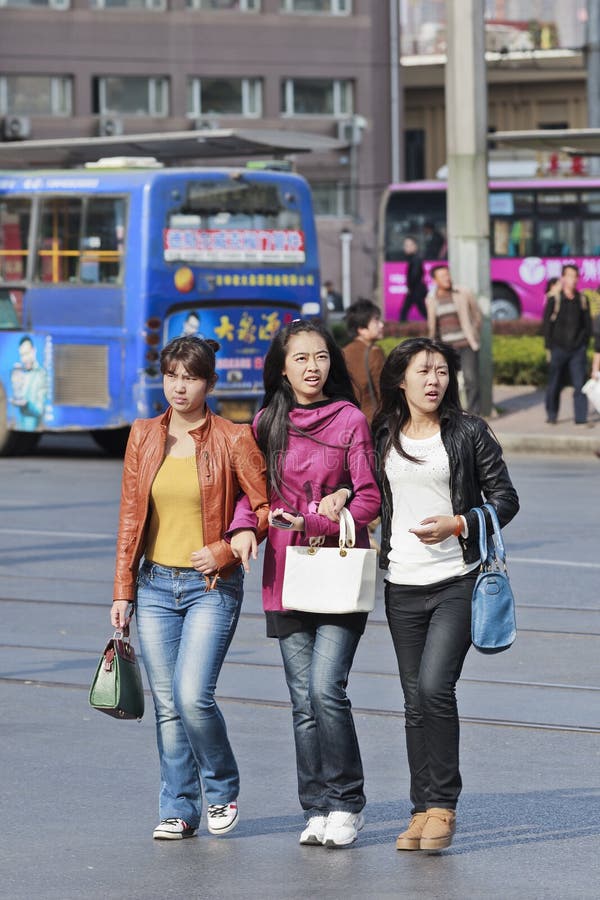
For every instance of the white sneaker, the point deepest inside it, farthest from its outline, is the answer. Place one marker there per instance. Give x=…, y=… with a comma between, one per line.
x=342, y=828
x=173, y=830
x=314, y=833
x=222, y=818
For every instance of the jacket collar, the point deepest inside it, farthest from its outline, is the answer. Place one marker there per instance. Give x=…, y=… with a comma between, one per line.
x=197, y=433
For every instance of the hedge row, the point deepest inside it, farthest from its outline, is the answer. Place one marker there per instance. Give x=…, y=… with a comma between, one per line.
x=517, y=358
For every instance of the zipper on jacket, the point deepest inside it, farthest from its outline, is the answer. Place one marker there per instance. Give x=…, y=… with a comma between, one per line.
x=205, y=460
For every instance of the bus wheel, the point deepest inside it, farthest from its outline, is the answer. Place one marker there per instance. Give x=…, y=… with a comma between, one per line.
x=112, y=440
x=14, y=443
x=504, y=303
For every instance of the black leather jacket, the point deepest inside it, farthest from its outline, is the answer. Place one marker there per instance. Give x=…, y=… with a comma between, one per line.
x=477, y=473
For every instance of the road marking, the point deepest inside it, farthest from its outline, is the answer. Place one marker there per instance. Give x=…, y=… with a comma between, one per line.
x=551, y=562
x=82, y=535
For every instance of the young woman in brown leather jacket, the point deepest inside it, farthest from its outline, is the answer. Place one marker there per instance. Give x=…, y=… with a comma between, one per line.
x=436, y=464
x=182, y=474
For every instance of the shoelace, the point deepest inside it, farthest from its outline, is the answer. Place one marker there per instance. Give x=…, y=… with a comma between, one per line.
x=174, y=822
x=218, y=812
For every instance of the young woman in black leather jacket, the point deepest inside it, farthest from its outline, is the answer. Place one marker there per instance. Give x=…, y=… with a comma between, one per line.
x=436, y=463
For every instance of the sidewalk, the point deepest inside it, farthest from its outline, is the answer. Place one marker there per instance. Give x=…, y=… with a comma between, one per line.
x=519, y=421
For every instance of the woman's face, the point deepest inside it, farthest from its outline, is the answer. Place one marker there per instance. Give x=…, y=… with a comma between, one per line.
x=307, y=366
x=186, y=393
x=425, y=382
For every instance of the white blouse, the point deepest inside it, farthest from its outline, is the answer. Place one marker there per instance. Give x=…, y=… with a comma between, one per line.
x=420, y=490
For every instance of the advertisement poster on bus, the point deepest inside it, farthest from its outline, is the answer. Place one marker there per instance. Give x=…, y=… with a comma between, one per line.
x=27, y=377
x=244, y=333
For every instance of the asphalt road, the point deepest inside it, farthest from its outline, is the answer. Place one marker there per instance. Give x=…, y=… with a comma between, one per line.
x=79, y=789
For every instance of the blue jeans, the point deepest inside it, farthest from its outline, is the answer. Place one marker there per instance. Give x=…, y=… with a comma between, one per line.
x=317, y=664
x=185, y=632
x=431, y=631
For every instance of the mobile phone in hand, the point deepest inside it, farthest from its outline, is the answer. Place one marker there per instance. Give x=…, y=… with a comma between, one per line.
x=280, y=522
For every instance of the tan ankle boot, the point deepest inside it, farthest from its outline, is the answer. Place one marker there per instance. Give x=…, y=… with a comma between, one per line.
x=411, y=838
x=438, y=829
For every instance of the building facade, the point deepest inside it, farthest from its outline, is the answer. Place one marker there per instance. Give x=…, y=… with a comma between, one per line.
x=77, y=68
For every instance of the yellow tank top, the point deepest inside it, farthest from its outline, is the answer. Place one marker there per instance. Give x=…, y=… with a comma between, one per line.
x=175, y=529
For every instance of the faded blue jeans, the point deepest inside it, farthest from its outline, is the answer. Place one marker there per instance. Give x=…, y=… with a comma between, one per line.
x=317, y=664
x=185, y=632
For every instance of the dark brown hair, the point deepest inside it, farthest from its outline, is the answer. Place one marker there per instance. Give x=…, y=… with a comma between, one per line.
x=195, y=354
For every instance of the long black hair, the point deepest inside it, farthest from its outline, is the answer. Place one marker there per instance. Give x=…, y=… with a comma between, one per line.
x=274, y=424
x=393, y=412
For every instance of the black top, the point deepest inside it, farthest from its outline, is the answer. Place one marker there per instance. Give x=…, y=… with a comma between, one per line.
x=567, y=323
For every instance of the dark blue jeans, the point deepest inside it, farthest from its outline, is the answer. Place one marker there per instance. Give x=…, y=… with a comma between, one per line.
x=575, y=363
x=431, y=631
x=317, y=664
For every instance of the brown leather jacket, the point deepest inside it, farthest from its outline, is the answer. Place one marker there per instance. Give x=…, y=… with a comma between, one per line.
x=228, y=461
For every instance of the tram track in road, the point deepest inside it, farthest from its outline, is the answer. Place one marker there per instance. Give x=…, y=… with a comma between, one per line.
x=357, y=710
x=373, y=622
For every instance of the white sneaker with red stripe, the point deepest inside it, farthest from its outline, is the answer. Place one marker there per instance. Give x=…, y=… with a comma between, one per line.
x=222, y=818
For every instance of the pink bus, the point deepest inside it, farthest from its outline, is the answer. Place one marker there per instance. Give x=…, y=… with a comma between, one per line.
x=536, y=226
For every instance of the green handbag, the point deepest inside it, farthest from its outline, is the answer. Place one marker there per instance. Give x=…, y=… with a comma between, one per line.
x=117, y=685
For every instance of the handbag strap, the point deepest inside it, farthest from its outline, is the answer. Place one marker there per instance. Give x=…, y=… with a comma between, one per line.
x=494, y=547
x=347, y=528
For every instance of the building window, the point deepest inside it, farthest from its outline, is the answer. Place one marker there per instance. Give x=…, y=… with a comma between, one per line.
x=22, y=4
x=225, y=97
x=326, y=7
x=331, y=198
x=316, y=97
x=131, y=95
x=226, y=5
x=158, y=5
x=36, y=95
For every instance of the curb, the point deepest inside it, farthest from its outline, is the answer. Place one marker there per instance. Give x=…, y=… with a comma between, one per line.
x=542, y=443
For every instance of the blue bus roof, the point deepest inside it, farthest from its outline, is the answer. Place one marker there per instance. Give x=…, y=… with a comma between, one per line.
x=32, y=180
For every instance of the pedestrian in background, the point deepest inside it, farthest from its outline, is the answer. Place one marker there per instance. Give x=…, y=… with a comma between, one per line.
x=416, y=289
x=567, y=328
x=364, y=358
x=182, y=474
x=436, y=463
x=453, y=316
x=319, y=456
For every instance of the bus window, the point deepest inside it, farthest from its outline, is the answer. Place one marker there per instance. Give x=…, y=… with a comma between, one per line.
x=409, y=214
x=238, y=204
x=557, y=227
x=15, y=216
x=102, y=240
x=511, y=237
x=58, y=242
x=81, y=240
x=590, y=210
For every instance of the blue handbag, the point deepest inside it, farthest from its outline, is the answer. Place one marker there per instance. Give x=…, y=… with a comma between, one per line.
x=493, y=624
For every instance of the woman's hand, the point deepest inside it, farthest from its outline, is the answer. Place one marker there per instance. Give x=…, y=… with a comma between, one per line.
x=332, y=504
x=203, y=561
x=244, y=546
x=434, y=529
x=297, y=522
x=120, y=614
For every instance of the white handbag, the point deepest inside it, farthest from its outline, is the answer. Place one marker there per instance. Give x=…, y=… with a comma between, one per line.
x=330, y=579
x=592, y=389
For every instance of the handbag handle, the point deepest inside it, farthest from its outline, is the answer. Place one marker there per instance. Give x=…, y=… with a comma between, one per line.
x=497, y=547
x=347, y=528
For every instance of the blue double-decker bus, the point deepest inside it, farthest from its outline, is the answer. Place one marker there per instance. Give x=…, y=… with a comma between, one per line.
x=100, y=267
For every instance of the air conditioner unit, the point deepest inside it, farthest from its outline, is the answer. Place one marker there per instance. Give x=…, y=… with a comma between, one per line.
x=350, y=130
x=109, y=126
x=16, y=128
x=207, y=123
